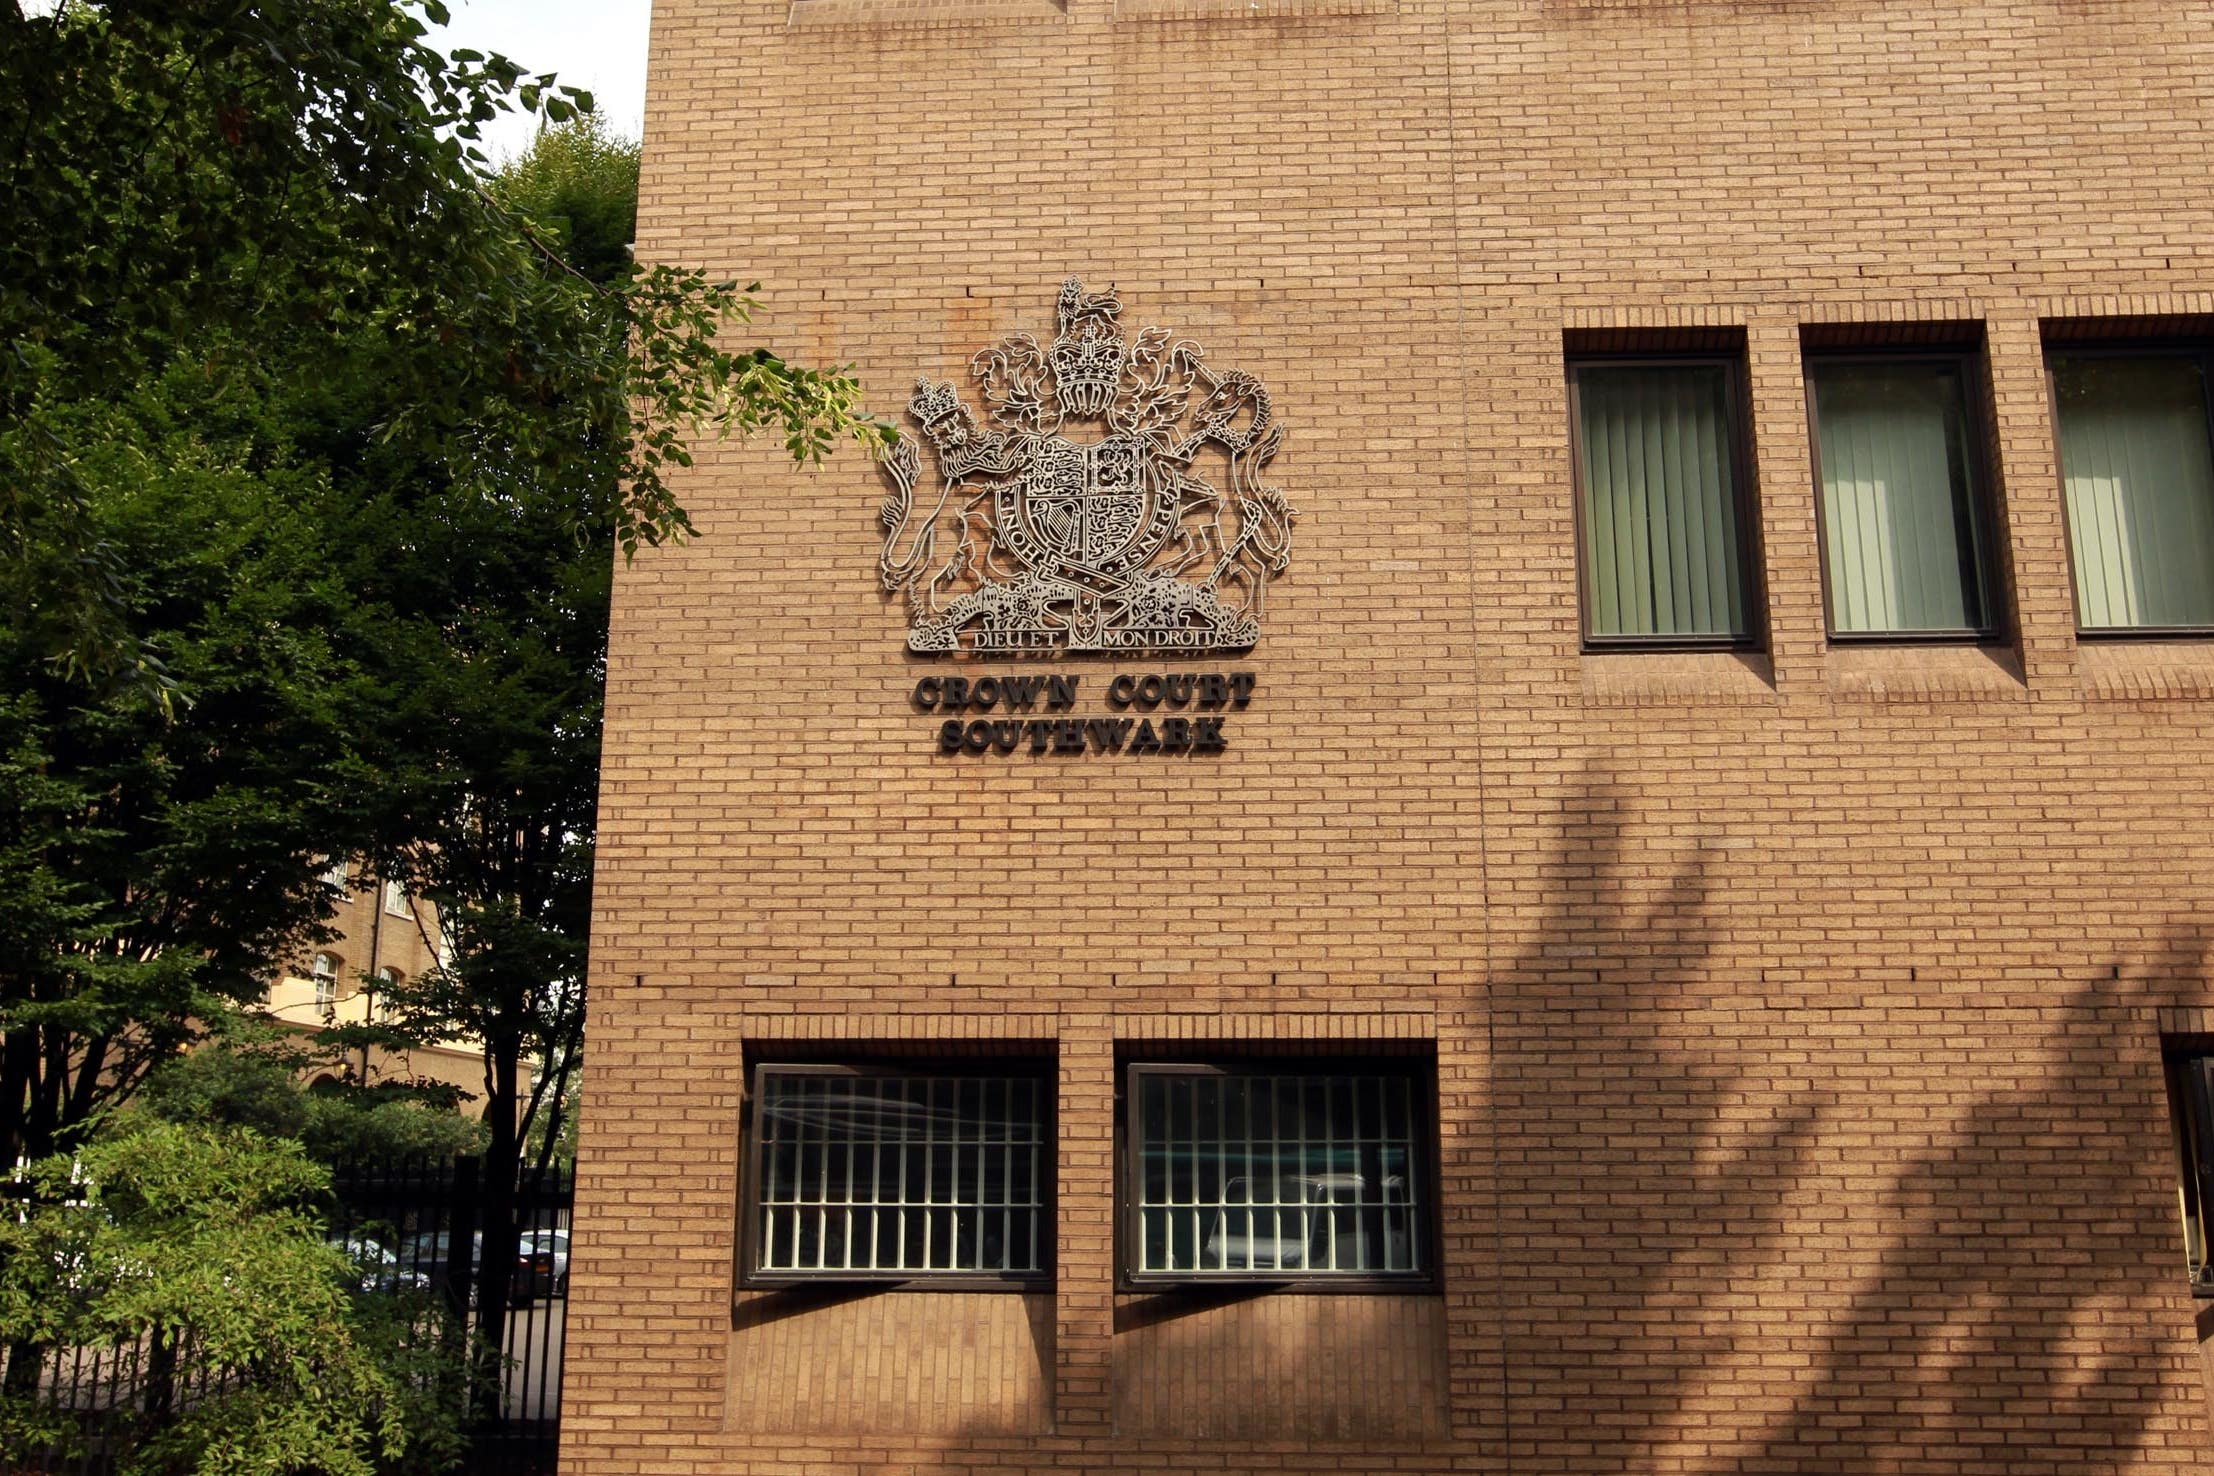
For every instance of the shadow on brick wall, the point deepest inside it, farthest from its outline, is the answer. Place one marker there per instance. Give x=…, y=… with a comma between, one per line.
x=1744, y=1218
x=1753, y=1220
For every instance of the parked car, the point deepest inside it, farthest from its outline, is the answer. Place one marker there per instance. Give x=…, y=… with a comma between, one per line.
x=545, y=1258
x=541, y=1262
x=428, y=1256
x=378, y=1269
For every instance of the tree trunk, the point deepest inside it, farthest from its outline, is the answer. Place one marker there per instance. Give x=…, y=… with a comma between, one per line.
x=496, y=1214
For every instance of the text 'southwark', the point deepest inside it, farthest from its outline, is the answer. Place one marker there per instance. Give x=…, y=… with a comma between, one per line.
x=1181, y=714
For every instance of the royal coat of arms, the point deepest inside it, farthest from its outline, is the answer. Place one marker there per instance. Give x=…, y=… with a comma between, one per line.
x=1082, y=517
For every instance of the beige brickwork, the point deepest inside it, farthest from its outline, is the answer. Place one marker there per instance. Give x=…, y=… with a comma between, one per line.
x=1796, y=1014
x=367, y=939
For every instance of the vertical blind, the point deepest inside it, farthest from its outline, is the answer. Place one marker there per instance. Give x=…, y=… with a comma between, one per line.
x=1663, y=552
x=900, y=1174
x=1902, y=521
x=1310, y=1174
x=2140, y=489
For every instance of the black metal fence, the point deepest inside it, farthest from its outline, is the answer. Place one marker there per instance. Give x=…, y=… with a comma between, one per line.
x=414, y=1233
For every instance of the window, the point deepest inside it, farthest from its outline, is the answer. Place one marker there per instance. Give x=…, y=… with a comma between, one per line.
x=2191, y=1109
x=1660, y=482
x=2138, y=476
x=395, y=899
x=1275, y=1172
x=324, y=969
x=900, y=1174
x=1906, y=528
x=334, y=876
x=388, y=978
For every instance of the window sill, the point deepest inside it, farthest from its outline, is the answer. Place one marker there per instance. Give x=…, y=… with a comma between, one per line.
x=1169, y=1290
x=1217, y=10
x=1652, y=678
x=874, y=15
x=859, y=1283
x=1924, y=673
x=2138, y=670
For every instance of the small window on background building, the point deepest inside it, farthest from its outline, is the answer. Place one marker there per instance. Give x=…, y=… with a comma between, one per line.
x=2138, y=473
x=387, y=978
x=335, y=875
x=1906, y=532
x=1659, y=472
x=325, y=972
x=908, y=1174
x=1277, y=1173
x=2191, y=1109
x=395, y=899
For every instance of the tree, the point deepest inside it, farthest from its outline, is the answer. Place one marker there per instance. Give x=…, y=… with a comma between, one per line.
x=278, y=360
x=257, y=1085
x=156, y=866
x=309, y=170
x=493, y=636
x=199, y=1247
x=277, y=215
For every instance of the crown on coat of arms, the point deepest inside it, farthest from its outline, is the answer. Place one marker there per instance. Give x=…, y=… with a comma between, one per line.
x=933, y=402
x=1087, y=358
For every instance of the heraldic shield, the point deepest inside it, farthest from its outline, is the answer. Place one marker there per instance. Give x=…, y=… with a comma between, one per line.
x=1081, y=516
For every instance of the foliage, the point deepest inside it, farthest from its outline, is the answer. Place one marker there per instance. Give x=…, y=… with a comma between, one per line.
x=157, y=867
x=308, y=171
x=347, y=1124
x=226, y=1085
x=314, y=449
x=493, y=632
x=222, y=1086
x=578, y=187
x=196, y=1245
x=272, y=345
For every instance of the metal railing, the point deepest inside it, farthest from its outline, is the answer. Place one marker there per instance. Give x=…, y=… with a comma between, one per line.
x=413, y=1231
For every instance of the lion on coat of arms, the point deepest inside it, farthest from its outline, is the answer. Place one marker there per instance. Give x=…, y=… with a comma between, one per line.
x=1041, y=540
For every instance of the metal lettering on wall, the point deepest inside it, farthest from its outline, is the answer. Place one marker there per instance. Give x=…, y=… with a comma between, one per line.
x=1166, y=714
x=1039, y=541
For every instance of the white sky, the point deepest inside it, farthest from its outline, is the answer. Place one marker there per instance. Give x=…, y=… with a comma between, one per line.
x=599, y=45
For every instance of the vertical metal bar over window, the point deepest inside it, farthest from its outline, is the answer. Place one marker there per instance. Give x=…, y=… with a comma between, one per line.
x=1290, y=1171
x=925, y=1173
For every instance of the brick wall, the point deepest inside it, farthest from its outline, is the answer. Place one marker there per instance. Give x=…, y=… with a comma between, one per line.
x=1796, y=1014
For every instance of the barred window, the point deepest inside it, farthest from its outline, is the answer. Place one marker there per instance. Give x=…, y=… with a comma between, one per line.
x=1278, y=1173
x=881, y=1174
x=2191, y=1109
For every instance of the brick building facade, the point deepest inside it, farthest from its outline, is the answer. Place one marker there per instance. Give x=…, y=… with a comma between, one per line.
x=1784, y=1012
x=380, y=936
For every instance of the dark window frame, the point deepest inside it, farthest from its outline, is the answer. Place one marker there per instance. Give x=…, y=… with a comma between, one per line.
x=1419, y=1070
x=1975, y=393
x=2191, y=1120
x=1040, y=1069
x=1744, y=496
x=2198, y=350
